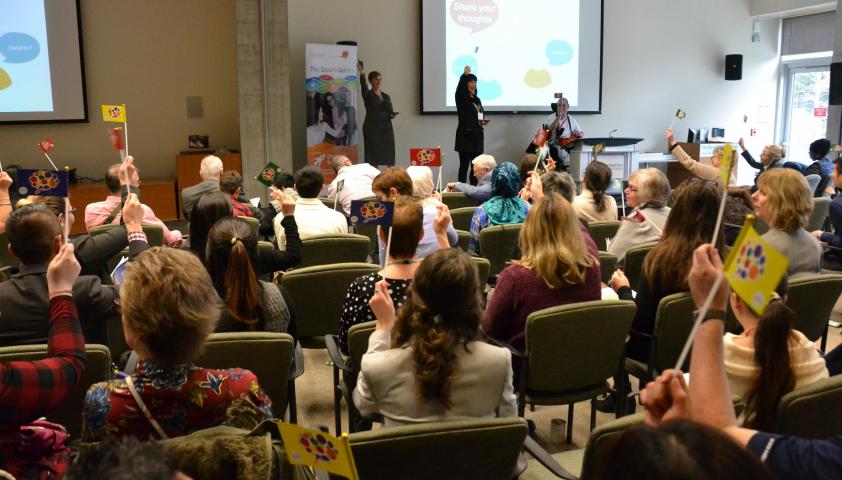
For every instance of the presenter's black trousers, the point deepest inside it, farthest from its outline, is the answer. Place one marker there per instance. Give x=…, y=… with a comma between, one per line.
x=465, y=167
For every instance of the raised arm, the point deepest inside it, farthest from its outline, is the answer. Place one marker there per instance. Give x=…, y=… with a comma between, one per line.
x=5, y=201
x=274, y=260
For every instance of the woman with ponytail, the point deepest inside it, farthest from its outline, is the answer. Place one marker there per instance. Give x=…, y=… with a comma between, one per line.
x=769, y=359
x=429, y=364
x=593, y=204
x=252, y=305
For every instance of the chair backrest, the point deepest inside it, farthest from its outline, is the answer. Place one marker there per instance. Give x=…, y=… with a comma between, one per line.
x=808, y=411
x=98, y=369
x=633, y=262
x=333, y=248
x=821, y=208
x=455, y=200
x=481, y=448
x=358, y=342
x=496, y=244
x=577, y=345
x=154, y=233
x=603, y=230
x=812, y=297
x=483, y=269
x=673, y=322
x=6, y=258
x=255, y=223
x=607, y=266
x=329, y=203
x=464, y=241
x=267, y=354
x=603, y=433
x=318, y=294
x=813, y=180
x=370, y=231
x=462, y=218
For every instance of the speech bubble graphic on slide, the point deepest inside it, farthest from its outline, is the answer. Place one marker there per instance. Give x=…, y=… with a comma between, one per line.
x=489, y=90
x=474, y=14
x=559, y=52
x=19, y=47
x=537, y=78
x=5, y=79
x=461, y=62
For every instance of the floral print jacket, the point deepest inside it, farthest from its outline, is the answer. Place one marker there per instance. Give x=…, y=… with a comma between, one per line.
x=182, y=399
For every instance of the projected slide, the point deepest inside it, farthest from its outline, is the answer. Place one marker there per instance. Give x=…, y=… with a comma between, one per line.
x=25, y=84
x=518, y=56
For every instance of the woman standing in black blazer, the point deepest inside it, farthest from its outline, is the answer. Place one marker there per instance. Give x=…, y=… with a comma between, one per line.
x=469, y=133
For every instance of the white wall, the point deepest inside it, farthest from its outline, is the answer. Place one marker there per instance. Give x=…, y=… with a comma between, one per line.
x=658, y=56
x=790, y=7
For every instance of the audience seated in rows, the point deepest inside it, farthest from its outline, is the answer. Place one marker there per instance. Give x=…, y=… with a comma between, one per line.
x=311, y=215
x=108, y=211
x=482, y=166
x=593, y=204
x=559, y=264
x=832, y=258
x=394, y=183
x=210, y=171
x=250, y=304
x=35, y=238
x=504, y=207
x=215, y=205
x=231, y=183
x=169, y=307
x=768, y=344
x=284, y=183
x=427, y=362
x=647, y=193
x=784, y=201
x=352, y=182
x=399, y=270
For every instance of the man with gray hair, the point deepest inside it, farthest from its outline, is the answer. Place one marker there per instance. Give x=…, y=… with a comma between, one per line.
x=482, y=166
x=352, y=182
x=210, y=171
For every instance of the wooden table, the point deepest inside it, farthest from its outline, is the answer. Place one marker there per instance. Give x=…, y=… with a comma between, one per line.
x=158, y=194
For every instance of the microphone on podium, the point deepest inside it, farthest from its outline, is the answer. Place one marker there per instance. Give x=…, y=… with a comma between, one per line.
x=611, y=133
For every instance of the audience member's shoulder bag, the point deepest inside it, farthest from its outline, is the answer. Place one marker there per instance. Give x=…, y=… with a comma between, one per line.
x=38, y=450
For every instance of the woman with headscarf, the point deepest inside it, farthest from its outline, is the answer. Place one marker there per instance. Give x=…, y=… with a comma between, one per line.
x=472, y=121
x=503, y=208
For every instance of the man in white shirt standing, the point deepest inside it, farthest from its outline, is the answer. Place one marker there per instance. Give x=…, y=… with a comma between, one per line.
x=311, y=215
x=352, y=182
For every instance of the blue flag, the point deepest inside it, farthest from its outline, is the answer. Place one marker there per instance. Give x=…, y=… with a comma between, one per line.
x=48, y=183
x=372, y=212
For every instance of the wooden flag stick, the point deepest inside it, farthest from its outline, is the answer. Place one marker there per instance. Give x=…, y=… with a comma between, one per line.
x=623, y=198
x=126, y=132
x=438, y=181
x=672, y=123
x=388, y=243
x=719, y=217
x=702, y=312
x=1, y=166
x=51, y=161
x=66, y=219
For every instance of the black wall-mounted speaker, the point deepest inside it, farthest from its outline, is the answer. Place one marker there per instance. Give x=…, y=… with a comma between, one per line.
x=836, y=83
x=733, y=67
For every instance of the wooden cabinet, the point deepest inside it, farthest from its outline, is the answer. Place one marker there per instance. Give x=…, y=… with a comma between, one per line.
x=158, y=194
x=187, y=165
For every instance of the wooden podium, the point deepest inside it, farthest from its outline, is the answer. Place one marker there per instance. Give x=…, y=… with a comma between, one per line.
x=187, y=165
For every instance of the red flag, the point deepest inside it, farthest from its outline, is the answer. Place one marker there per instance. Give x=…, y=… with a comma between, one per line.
x=425, y=157
x=46, y=145
x=540, y=137
x=117, y=138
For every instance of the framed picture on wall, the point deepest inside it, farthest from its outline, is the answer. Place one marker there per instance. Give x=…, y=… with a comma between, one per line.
x=198, y=141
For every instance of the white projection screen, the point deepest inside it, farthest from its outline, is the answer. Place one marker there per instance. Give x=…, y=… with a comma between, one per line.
x=522, y=52
x=42, y=76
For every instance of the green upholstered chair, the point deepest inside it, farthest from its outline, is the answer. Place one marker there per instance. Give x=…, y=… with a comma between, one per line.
x=480, y=448
x=607, y=266
x=455, y=200
x=462, y=218
x=318, y=293
x=98, y=369
x=571, y=464
x=269, y=355
x=255, y=223
x=483, y=269
x=600, y=231
x=154, y=233
x=673, y=322
x=633, y=262
x=821, y=207
x=6, y=258
x=496, y=244
x=808, y=411
x=571, y=350
x=464, y=239
x=369, y=231
x=349, y=365
x=812, y=297
x=329, y=203
x=334, y=248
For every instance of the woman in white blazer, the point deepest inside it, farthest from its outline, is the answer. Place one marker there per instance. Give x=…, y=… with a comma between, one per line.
x=429, y=364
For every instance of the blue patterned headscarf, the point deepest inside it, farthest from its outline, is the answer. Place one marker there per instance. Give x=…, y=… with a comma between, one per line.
x=505, y=207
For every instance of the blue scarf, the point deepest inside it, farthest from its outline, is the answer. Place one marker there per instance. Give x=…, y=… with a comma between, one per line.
x=505, y=207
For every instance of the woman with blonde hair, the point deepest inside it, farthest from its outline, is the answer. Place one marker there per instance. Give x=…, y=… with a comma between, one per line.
x=784, y=201
x=647, y=193
x=430, y=364
x=559, y=264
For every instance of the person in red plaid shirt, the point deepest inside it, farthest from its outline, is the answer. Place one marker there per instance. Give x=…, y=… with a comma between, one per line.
x=29, y=389
x=231, y=183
